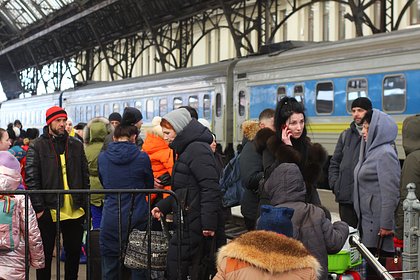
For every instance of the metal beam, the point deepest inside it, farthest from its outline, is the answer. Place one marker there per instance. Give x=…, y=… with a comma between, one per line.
x=59, y=25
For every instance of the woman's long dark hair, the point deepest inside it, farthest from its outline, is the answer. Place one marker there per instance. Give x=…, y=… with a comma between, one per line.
x=286, y=107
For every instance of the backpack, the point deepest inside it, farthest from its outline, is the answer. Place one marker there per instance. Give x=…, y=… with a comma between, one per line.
x=9, y=229
x=231, y=184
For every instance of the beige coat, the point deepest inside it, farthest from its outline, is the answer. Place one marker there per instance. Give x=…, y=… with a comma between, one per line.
x=265, y=255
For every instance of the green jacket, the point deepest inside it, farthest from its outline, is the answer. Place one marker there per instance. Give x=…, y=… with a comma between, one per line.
x=411, y=168
x=94, y=135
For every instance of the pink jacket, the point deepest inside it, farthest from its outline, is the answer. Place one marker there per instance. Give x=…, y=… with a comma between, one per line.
x=12, y=263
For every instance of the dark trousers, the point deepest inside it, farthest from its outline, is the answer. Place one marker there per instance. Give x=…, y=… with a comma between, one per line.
x=347, y=214
x=72, y=231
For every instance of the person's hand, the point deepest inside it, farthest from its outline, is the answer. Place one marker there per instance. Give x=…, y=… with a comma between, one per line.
x=157, y=184
x=385, y=232
x=39, y=215
x=285, y=135
x=208, y=233
x=156, y=213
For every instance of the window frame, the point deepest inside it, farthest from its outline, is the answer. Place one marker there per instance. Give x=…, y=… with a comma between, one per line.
x=405, y=93
x=347, y=91
x=316, y=97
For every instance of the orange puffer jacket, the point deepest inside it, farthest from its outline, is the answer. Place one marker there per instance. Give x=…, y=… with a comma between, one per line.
x=161, y=157
x=265, y=255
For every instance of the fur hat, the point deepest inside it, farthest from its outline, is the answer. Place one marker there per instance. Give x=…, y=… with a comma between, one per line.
x=178, y=118
x=131, y=116
x=277, y=219
x=54, y=113
x=362, y=102
x=156, y=128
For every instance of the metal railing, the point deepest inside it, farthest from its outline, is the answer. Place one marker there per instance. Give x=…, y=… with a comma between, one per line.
x=118, y=192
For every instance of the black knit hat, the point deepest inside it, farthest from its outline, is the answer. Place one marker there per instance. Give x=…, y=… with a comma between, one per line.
x=115, y=116
x=362, y=102
x=131, y=116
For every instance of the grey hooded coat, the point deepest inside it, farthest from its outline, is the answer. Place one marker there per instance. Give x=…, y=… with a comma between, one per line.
x=377, y=179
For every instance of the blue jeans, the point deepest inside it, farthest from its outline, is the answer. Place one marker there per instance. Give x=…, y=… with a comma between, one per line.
x=110, y=270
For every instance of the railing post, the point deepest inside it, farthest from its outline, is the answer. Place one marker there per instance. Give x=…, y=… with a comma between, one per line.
x=410, y=253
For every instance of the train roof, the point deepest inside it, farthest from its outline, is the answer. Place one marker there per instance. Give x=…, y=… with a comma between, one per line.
x=184, y=75
x=322, y=52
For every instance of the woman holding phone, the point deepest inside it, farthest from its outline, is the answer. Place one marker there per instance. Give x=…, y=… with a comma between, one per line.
x=290, y=144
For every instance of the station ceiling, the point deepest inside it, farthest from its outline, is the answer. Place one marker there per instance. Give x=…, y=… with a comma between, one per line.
x=36, y=32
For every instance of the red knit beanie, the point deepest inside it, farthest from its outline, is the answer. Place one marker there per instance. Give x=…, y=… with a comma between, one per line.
x=53, y=113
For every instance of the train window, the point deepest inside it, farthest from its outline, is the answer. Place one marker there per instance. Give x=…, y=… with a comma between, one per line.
x=97, y=111
x=206, y=106
x=355, y=88
x=193, y=102
x=88, y=113
x=177, y=103
x=218, y=105
x=163, y=106
x=137, y=104
x=126, y=104
x=106, y=110
x=298, y=93
x=324, y=98
x=241, y=103
x=394, y=93
x=116, y=107
x=149, y=109
x=281, y=92
x=82, y=114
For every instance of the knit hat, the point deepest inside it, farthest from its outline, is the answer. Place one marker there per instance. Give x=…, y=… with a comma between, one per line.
x=17, y=152
x=115, y=116
x=362, y=102
x=156, y=128
x=178, y=118
x=10, y=177
x=277, y=219
x=131, y=116
x=54, y=113
x=204, y=122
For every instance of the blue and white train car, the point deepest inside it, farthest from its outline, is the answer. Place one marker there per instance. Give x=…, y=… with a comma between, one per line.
x=327, y=77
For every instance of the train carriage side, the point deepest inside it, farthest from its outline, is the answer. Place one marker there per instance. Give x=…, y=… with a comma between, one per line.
x=30, y=111
x=327, y=77
x=204, y=88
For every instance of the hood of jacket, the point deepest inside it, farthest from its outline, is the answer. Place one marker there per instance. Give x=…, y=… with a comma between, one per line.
x=411, y=134
x=193, y=132
x=96, y=130
x=250, y=129
x=154, y=143
x=285, y=184
x=269, y=251
x=10, y=179
x=382, y=130
x=122, y=152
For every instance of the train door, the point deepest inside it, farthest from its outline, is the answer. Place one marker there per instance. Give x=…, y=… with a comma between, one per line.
x=241, y=108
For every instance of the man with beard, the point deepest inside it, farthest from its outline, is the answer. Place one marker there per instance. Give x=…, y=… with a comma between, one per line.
x=344, y=160
x=56, y=161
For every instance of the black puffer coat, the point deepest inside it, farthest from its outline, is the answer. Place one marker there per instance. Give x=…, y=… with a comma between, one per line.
x=274, y=152
x=195, y=180
x=43, y=170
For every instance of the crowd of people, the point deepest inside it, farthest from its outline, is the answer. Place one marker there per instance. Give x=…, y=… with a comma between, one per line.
x=280, y=169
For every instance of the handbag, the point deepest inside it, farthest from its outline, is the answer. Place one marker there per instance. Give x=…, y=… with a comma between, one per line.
x=392, y=263
x=136, y=253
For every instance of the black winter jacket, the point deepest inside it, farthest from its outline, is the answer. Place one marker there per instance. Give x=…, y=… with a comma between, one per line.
x=342, y=164
x=43, y=170
x=274, y=152
x=195, y=181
